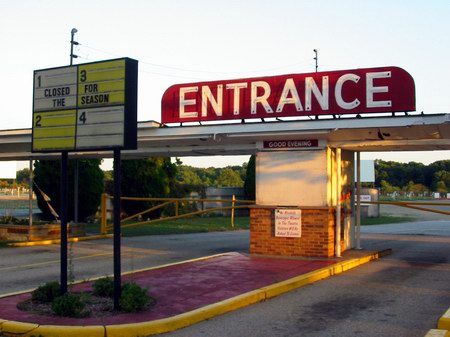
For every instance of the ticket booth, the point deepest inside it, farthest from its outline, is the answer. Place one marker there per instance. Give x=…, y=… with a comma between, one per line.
x=304, y=201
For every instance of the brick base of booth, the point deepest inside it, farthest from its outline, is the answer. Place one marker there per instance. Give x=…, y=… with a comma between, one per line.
x=317, y=233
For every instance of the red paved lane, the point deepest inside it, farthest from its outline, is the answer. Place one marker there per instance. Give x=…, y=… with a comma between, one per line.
x=184, y=287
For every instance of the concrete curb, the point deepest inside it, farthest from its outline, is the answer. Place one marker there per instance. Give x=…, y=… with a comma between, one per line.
x=437, y=333
x=51, y=242
x=11, y=328
x=444, y=321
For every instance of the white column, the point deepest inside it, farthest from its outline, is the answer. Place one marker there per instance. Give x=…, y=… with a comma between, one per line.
x=338, y=202
x=358, y=200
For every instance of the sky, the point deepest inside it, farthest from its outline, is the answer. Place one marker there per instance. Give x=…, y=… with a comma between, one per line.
x=196, y=40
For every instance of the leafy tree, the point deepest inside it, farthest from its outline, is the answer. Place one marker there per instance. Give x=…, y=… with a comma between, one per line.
x=229, y=178
x=149, y=178
x=187, y=175
x=23, y=177
x=441, y=187
x=250, y=179
x=47, y=175
x=441, y=181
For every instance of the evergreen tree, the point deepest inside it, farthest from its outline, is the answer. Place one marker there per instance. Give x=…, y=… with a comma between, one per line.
x=250, y=179
x=147, y=178
x=47, y=175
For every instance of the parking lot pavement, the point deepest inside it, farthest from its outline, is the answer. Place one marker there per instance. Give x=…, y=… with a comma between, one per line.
x=436, y=227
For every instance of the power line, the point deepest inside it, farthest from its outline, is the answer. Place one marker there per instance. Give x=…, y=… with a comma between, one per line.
x=199, y=70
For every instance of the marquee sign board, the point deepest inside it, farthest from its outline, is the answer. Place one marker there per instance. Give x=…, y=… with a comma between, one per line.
x=90, y=106
x=371, y=90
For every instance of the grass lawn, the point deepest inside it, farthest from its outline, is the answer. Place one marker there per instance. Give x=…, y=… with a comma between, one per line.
x=385, y=219
x=183, y=226
x=219, y=224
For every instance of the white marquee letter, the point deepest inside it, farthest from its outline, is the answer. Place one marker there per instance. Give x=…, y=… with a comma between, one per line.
x=255, y=99
x=208, y=96
x=370, y=90
x=322, y=97
x=289, y=89
x=184, y=102
x=338, y=91
x=236, y=95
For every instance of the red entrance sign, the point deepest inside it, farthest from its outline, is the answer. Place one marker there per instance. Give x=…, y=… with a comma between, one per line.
x=290, y=144
x=371, y=90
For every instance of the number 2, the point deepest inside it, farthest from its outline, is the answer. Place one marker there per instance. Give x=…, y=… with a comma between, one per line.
x=38, y=120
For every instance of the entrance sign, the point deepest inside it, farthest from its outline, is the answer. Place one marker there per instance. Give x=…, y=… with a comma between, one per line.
x=288, y=223
x=90, y=106
x=371, y=90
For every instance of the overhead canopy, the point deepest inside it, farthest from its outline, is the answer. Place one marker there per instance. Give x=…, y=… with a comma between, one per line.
x=393, y=133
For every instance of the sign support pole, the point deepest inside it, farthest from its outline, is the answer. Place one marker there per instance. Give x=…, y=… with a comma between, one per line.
x=63, y=190
x=30, y=194
x=117, y=234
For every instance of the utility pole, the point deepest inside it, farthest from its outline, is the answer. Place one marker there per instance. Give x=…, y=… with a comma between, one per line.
x=75, y=173
x=316, y=58
x=73, y=43
x=63, y=191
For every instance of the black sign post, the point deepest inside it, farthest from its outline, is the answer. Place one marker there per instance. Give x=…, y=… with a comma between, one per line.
x=63, y=219
x=117, y=232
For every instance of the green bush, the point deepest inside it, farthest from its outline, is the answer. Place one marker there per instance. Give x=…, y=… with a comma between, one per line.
x=104, y=287
x=69, y=305
x=134, y=298
x=46, y=293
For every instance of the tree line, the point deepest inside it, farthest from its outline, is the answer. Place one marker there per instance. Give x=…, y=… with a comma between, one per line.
x=155, y=177
x=161, y=178
x=412, y=177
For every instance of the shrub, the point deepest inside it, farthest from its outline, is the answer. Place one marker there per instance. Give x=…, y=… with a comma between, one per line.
x=69, y=305
x=46, y=293
x=104, y=287
x=134, y=298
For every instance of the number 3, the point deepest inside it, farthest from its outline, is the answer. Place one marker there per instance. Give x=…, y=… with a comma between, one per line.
x=83, y=76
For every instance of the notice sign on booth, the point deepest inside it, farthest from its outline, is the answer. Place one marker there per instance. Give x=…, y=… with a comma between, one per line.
x=288, y=223
x=90, y=106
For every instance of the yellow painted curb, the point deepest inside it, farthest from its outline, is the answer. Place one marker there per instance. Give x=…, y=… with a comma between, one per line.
x=437, y=333
x=186, y=319
x=1, y=323
x=13, y=328
x=320, y=274
x=67, y=331
x=444, y=321
x=51, y=242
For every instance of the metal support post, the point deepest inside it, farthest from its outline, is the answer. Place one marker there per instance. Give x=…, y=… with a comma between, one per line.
x=75, y=173
x=338, y=203
x=30, y=195
x=233, y=202
x=358, y=200
x=117, y=234
x=63, y=190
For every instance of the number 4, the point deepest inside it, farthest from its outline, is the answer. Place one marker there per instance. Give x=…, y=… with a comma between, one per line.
x=82, y=117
